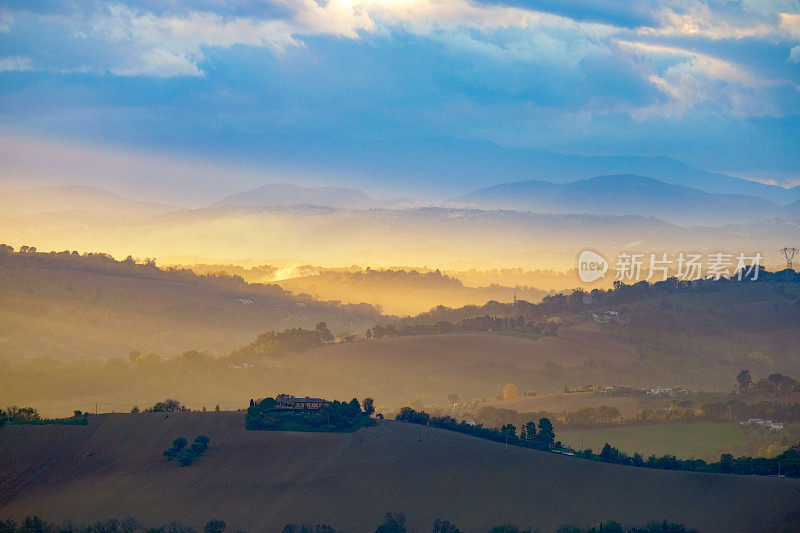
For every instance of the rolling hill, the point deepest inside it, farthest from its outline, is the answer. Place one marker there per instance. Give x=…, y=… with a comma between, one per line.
x=259, y=481
x=401, y=292
x=427, y=368
x=422, y=368
x=627, y=194
x=67, y=305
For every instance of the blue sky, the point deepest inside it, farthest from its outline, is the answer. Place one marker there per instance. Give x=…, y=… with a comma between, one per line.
x=192, y=99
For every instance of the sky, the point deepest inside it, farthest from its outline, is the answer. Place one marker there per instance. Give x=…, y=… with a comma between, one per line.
x=192, y=100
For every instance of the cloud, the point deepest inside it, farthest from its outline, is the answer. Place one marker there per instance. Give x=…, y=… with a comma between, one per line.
x=282, y=77
x=691, y=79
x=791, y=23
x=14, y=63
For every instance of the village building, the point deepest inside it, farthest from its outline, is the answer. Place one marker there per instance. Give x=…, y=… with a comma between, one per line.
x=286, y=401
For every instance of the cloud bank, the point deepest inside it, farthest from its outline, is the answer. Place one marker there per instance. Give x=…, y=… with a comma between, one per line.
x=583, y=75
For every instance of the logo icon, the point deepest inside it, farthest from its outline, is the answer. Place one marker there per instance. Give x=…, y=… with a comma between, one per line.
x=591, y=266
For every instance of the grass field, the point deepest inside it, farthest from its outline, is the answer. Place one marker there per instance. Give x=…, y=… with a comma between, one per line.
x=262, y=480
x=705, y=440
x=628, y=406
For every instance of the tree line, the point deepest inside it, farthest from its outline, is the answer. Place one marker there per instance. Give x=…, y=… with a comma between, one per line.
x=390, y=523
x=543, y=438
x=28, y=415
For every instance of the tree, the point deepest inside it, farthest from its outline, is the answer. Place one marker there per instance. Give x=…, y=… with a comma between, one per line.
x=354, y=407
x=392, y=523
x=508, y=528
x=445, y=526
x=324, y=333
x=546, y=435
x=369, y=333
x=607, y=453
x=745, y=380
x=510, y=391
x=135, y=409
x=368, y=406
x=216, y=408
x=168, y=406
x=530, y=430
x=509, y=429
x=214, y=526
x=21, y=414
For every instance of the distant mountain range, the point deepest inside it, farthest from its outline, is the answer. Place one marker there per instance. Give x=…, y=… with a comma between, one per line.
x=76, y=198
x=618, y=194
x=563, y=168
x=626, y=194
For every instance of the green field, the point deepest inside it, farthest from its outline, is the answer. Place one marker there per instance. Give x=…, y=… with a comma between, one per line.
x=705, y=440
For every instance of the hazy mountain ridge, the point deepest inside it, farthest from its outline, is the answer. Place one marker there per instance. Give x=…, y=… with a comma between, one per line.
x=627, y=194
x=286, y=194
x=76, y=198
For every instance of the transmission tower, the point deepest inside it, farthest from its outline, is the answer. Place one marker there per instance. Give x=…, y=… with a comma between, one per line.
x=789, y=254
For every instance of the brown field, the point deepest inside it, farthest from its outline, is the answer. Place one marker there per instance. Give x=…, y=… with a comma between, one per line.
x=558, y=403
x=572, y=347
x=399, y=370
x=259, y=481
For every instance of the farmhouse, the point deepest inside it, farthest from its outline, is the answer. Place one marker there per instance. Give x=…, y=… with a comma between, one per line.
x=286, y=401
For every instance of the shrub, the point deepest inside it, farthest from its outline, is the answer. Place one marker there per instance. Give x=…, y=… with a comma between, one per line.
x=187, y=454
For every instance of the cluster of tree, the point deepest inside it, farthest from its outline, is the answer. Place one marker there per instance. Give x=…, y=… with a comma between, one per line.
x=396, y=523
x=293, y=340
x=542, y=438
x=29, y=415
x=770, y=384
x=479, y=323
x=731, y=410
x=584, y=417
x=335, y=416
x=184, y=453
x=391, y=523
x=167, y=406
x=34, y=524
x=787, y=463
